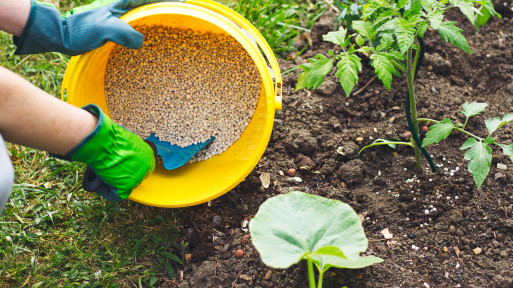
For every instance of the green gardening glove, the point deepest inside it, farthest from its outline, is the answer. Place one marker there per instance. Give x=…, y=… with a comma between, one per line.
x=81, y=30
x=117, y=156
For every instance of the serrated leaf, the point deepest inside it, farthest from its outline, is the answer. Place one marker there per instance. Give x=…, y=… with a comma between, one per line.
x=452, y=34
x=387, y=39
x=405, y=36
x=364, y=49
x=365, y=28
x=384, y=68
x=314, y=72
x=489, y=140
x=480, y=156
x=493, y=124
x=507, y=150
x=394, y=55
x=389, y=25
x=370, y=8
x=359, y=40
x=467, y=8
x=383, y=17
x=469, y=143
x=422, y=27
x=482, y=17
x=347, y=71
x=402, y=3
x=472, y=109
x=435, y=19
x=336, y=37
x=416, y=7
x=438, y=132
x=489, y=6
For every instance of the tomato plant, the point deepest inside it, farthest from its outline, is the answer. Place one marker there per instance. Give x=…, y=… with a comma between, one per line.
x=391, y=34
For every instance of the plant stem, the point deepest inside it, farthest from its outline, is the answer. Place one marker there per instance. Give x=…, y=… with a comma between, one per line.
x=410, y=72
x=319, y=283
x=311, y=276
x=455, y=128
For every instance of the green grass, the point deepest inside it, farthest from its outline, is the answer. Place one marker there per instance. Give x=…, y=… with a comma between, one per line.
x=281, y=22
x=54, y=234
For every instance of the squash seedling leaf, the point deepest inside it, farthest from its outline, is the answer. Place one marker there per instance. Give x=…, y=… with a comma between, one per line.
x=297, y=225
x=324, y=262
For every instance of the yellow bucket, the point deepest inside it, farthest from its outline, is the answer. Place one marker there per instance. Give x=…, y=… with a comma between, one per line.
x=202, y=181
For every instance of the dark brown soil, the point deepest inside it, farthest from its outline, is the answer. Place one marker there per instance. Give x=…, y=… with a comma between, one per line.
x=439, y=222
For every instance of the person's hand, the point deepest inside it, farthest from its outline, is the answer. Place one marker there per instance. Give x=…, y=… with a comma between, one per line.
x=80, y=30
x=117, y=156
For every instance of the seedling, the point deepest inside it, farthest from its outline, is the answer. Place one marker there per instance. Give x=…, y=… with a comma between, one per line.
x=295, y=226
x=480, y=151
x=391, y=35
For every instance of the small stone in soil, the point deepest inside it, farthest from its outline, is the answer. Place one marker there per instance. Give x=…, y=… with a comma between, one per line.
x=216, y=222
x=239, y=253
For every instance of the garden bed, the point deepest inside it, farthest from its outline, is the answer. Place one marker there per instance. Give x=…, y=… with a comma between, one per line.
x=446, y=232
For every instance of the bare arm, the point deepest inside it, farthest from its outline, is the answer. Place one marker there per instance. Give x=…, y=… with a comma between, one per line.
x=31, y=117
x=14, y=15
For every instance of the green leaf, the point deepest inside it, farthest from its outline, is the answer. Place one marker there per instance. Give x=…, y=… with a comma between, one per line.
x=314, y=72
x=467, y=8
x=480, y=156
x=365, y=28
x=508, y=117
x=438, y=132
x=452, y=34
x=330, y=250
x=293, y=226
x=359, y=40
x=337, y=37
x=324, y=262
x=469, y=143
x=482, y=17
x=472, y=109
x=507, y=150
x=370, y=8
x=493, y=124
x=347, y=71
x=435, y=19
x=422, y=27
x=416, y=7
x=402, y=3
x=389, y=25
x=489, y=140
x=383, y=67
x=405, y=36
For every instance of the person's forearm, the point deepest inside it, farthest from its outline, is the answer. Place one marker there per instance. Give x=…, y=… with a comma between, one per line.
x=31, y=117
x=14, y=15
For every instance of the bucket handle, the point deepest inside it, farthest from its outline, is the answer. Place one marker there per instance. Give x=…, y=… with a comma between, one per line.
x=257, y=36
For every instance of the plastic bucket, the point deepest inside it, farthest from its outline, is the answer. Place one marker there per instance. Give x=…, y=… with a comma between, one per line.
x=205, y=180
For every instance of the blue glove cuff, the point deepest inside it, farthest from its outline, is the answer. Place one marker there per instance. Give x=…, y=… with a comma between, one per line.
x=47, y=31
x=42, y=31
